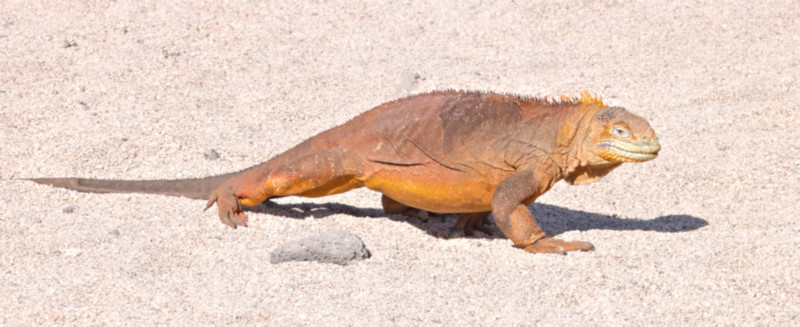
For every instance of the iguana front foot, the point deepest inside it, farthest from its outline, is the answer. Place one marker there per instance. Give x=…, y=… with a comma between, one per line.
x=472, y=221
x=554, y=245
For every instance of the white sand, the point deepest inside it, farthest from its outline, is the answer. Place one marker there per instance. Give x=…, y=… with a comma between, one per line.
x=706, y=234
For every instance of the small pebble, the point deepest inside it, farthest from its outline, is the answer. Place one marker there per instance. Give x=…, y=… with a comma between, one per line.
x=211, y=154
x=71, y=253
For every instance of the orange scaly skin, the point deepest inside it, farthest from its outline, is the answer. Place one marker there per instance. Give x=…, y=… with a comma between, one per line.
x=468, y=153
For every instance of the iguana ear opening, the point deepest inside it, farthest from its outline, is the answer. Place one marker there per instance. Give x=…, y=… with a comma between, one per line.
x=579, y=175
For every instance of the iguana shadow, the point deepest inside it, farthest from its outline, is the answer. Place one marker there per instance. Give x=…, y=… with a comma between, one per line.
x=554, y=220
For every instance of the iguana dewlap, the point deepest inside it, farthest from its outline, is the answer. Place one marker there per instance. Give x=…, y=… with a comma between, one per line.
x=468, y=153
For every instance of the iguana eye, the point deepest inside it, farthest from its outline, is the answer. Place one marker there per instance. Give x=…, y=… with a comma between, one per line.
x=620, y=132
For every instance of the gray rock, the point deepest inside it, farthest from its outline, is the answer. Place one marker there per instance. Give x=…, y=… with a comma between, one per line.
x=339, y=247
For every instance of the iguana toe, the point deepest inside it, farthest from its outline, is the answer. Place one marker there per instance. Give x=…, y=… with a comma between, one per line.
x=239, y=219
x=553, y=245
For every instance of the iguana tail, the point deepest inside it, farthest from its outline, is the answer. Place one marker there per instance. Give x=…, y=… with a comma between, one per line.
x=195, y=188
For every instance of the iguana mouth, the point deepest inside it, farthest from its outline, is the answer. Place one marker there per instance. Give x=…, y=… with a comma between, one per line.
x=620, y=151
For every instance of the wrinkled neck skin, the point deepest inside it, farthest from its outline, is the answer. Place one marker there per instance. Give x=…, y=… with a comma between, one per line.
x=573, y=147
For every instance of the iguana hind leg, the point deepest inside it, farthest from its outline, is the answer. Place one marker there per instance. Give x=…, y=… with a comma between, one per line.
x=471, y=221
x=318, y=174
x=468, y=222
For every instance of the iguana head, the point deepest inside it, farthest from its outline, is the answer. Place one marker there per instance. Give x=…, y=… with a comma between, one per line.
x=618, y=135
x=611, y=137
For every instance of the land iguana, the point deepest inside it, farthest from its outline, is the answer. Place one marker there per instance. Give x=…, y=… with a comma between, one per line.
x=457, y=152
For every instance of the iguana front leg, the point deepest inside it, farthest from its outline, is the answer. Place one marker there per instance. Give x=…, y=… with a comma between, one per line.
x=515, y=220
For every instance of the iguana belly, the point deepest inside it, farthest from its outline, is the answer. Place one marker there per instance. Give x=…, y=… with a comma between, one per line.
x=444, y=192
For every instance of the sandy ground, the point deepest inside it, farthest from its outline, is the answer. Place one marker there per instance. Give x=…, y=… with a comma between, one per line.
x=706, y=234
